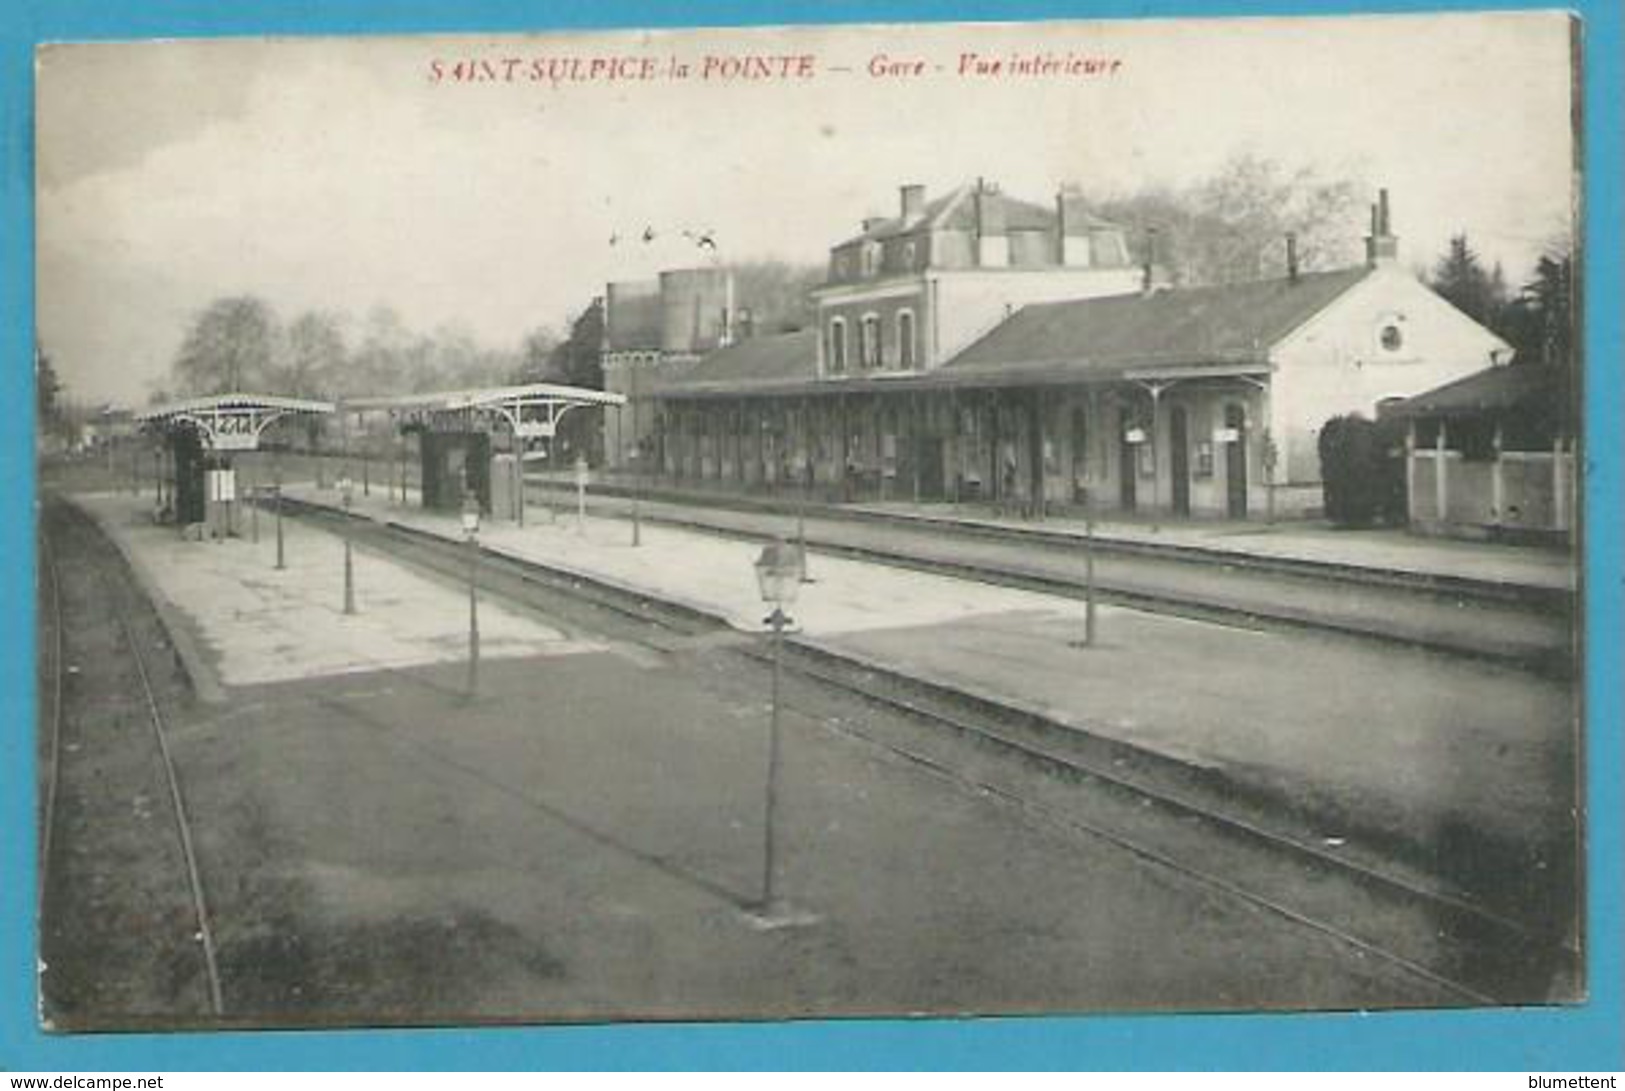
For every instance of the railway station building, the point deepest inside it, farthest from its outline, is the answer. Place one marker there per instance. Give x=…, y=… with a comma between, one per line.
x=981, y=348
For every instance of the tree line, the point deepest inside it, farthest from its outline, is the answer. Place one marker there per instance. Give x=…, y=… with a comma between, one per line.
x=1231, y=226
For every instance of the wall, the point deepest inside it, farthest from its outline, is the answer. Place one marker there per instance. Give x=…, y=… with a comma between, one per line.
x=1336, y=364
x=972, y=302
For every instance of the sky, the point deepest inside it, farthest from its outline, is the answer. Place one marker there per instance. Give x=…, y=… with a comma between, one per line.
x=341, y=174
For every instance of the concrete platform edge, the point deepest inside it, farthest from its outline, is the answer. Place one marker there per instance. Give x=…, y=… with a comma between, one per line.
x=205, y=686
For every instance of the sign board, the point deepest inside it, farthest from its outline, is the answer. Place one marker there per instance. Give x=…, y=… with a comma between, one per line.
x=1226, y=435
x=1134, y=435
x=222, y=486
x=534, y=429
x=235, y=441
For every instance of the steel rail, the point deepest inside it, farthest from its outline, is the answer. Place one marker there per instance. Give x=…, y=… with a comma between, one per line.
x=155, y=716
x=182, y=822
x=48, y=567
x=606, y=596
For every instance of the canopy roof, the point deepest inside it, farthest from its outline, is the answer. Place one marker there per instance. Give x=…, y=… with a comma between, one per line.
x=498, y=397
x=228, y=422
x=216, y=404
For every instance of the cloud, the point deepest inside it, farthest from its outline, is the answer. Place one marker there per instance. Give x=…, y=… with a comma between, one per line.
x=333, y=174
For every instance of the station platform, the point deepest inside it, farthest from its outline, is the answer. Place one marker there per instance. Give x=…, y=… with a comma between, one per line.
x=240, y=621
x=1308, y=542
x=1439, y=754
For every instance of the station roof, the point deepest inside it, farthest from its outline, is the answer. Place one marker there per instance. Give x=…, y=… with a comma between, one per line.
x=528, y=394
x=1216, y=327
x=1520, y=388
x=215, y=404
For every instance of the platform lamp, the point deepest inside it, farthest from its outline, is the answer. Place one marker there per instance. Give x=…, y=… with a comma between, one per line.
x=778, y=576
x=276, y=469
x=346, y=489
x=1088, y=640
x=471, y=533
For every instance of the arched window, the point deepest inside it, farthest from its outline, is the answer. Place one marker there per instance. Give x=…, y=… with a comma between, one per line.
x=837, y=345
x=869, y=341
x=907, y=355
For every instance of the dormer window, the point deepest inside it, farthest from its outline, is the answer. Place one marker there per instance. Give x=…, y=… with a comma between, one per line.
x=837, y=345
x=870, y=256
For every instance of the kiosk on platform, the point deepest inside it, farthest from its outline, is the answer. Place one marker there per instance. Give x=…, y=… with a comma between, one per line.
x=199, y=437
x=473, y=442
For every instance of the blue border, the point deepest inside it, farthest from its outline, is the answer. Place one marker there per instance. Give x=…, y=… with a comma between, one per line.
x=1588, y=1037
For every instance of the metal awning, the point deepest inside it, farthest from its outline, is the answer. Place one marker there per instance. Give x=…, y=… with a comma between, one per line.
x=531, y=410
x=229, y=422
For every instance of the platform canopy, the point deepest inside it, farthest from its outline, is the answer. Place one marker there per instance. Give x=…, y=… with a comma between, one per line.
x=229, y=422
x=531, y=411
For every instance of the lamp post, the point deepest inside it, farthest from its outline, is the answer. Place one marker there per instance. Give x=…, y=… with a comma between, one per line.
x=1088, y=568
x=346, y=493
x=778, y=576
x=637, y=463
x=471, y=532
x=253, y=494
x=278, y=486
x=581, y=494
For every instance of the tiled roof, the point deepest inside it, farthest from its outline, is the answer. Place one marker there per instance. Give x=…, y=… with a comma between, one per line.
x=1188, y=327
x=956, y=211
x=1522, y=387
x=779, y=358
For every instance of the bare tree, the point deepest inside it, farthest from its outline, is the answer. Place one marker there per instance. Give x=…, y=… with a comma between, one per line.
x=230, y=347
x=313, y=355
x=1233, y=226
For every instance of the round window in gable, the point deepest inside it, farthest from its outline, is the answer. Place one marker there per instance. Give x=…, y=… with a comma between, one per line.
x=1392, y=338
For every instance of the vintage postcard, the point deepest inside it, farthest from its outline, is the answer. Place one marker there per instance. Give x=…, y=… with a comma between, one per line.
x=804, y=522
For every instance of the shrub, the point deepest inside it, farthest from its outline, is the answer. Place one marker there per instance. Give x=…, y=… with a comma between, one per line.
x=1354, y=471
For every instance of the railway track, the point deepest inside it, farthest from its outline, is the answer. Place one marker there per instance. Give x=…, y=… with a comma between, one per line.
x=50, y=710
x=1429, y=930
x=1525, y=627
x=102, y=695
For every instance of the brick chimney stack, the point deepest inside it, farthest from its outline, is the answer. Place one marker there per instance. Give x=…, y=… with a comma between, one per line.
x=1292, y=256
x=992, y=243
x=1381, y=246
x=913, y=203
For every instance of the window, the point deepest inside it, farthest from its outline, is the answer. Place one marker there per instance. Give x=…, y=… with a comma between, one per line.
x=837, y=345
x=1391, y=332
x=869, y=341
x=905, y=340
x=870, y=256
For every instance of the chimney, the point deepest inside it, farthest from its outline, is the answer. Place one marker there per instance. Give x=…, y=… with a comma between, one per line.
x=1381, y=246
x=992, y=244
x=1071, y=227
x=1150, y=259
x=1292, y=256
x=913, y=203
